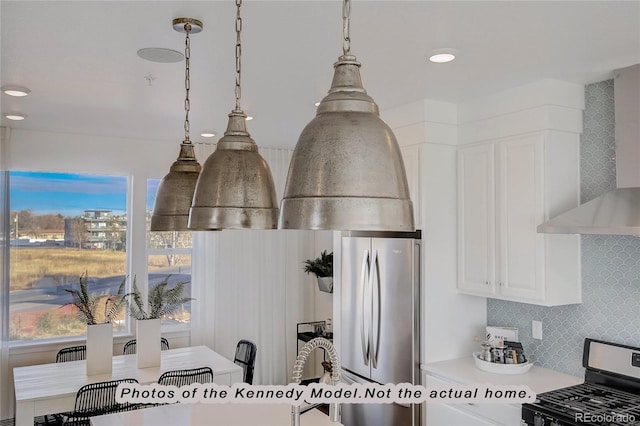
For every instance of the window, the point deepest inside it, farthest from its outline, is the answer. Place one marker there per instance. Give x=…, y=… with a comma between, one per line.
x=54, y=239
x=169, y=257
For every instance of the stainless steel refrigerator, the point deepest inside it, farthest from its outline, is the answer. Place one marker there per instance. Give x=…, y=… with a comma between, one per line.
x=380, y=321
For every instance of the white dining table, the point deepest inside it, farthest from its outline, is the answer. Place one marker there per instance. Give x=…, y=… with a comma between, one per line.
x=51, y=388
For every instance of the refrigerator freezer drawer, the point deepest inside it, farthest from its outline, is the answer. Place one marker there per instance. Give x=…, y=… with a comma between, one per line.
x=375, y=414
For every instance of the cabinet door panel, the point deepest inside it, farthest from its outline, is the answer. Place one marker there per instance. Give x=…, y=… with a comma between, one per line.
x=520, y=211
x=476, y=219
x=450, y=415
x=501, y=201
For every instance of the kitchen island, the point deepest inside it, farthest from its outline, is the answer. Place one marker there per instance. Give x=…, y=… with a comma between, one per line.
x=230, y=414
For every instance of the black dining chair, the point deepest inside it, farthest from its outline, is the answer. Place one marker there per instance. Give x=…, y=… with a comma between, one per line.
x=73, y=353
x=246, y=358
x=130, y=346
x=96, y=399
x=186, y=377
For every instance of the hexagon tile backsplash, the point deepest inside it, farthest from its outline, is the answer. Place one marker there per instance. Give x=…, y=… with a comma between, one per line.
x=610, y=265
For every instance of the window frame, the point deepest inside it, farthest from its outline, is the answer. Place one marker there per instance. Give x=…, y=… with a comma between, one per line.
x=136, y=159
x=50, y=342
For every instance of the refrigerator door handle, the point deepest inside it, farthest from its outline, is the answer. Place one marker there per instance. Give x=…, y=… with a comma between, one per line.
x=374, y=306
x=364, y=329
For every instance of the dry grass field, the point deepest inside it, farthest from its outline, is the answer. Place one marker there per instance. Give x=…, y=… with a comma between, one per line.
x=52, y=266
x=30, y=265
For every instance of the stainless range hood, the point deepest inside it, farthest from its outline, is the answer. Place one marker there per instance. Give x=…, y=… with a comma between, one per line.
x=617, y=212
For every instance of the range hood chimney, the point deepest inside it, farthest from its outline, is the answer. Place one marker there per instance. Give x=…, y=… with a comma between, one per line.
x=616, y=212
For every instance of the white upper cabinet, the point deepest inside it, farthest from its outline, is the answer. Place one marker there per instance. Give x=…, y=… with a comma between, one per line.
x=476, y=219
x=506, y=188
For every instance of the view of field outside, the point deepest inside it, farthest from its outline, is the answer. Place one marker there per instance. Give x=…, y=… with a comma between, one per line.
x=64, y=225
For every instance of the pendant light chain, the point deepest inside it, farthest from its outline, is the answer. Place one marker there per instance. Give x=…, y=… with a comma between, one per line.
x=187, y=81
x=172, y=205
x=346, y=22
x=238, y=53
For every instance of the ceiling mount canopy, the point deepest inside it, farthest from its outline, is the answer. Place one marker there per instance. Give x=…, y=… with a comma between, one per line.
x=173, y=198
x=235, y=189
x=347, y=172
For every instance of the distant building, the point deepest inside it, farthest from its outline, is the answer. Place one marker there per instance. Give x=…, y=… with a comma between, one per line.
x=96, y=229
x=39, y=238
x=51, y=234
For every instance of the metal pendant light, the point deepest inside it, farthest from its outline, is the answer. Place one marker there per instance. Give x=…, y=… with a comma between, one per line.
x=347, y=172
x=235, y=189
x=175, y=192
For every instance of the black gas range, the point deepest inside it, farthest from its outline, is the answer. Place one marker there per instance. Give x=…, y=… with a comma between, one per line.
x=610, y=394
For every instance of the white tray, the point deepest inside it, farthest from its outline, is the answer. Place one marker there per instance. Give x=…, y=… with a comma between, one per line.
x=492, y=367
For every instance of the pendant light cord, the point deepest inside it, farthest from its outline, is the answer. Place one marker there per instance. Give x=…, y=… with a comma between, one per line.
x=238, y=53
x=187, y=82
x=346, y=21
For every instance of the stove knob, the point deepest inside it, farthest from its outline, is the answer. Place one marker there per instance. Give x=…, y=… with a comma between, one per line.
x=554, y=423
x=538, y=420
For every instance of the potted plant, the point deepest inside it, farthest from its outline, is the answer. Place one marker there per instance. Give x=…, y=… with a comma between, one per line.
x=322, y=268
x=99, y=324
x=161, y=301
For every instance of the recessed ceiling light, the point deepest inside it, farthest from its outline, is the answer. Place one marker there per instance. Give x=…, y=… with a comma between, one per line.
x=159, y=54
x=249, y=118
x=15, y=90
x=441, y=56
x=207, y=134
x=16, y=116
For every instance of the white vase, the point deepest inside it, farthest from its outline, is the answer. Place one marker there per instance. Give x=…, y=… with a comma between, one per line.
x=99, y=348
x=325, y=284
x=148, y=343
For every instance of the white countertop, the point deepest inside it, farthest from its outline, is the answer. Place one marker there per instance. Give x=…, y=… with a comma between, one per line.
x=231, y=414
x=464, y=371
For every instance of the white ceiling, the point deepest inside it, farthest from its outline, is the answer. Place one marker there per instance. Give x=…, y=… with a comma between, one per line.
x=79, y=58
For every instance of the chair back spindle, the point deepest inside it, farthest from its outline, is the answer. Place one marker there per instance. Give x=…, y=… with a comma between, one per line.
x=73, y=353
x=186, y=377
x=130, y=346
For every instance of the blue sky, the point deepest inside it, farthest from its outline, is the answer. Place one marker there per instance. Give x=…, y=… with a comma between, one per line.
x=70, y=194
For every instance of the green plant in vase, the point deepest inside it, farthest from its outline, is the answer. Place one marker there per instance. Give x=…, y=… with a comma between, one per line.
x=87, y=303
x=99, y=348
x=162, y=301
x=322, y=268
